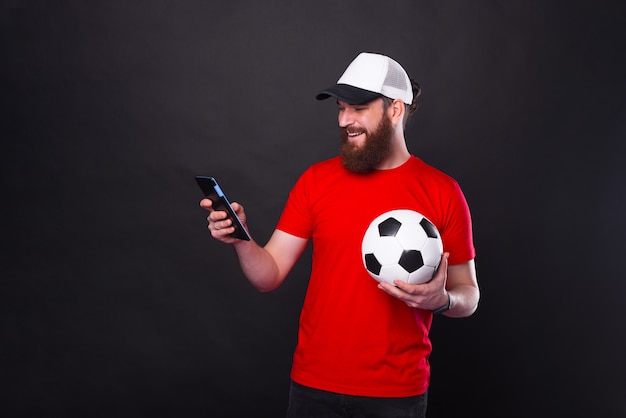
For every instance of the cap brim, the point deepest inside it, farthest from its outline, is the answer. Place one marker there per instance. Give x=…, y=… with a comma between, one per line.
x=349, y=94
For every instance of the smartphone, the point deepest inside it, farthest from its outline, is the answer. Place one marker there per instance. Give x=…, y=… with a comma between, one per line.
x=212, y=191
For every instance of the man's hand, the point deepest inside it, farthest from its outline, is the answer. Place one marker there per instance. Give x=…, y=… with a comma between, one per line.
x=430, y=295
x=220, y=226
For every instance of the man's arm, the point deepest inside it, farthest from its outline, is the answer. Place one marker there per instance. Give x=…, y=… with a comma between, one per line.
x=265, y=267
x=457, y=282
x=462, y=288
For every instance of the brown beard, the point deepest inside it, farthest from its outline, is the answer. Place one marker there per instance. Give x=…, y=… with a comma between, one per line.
x=377, y=146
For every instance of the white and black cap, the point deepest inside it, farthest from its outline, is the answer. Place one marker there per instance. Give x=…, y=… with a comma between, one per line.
x=368, y=77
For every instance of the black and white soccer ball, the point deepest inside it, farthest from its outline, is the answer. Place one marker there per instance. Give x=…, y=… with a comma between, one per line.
x=401, y=245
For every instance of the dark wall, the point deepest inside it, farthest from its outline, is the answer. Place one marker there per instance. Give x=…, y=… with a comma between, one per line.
x=116, y=302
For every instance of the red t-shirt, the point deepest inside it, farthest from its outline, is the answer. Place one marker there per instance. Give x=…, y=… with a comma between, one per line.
x=354, y=338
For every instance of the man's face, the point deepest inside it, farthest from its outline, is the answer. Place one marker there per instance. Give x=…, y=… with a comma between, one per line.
x=366, y=133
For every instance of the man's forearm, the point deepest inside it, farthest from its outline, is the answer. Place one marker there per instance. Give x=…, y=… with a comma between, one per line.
x=258, y=265
x=463, y=301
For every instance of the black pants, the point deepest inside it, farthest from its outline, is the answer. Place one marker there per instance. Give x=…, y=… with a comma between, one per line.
x=313, y=403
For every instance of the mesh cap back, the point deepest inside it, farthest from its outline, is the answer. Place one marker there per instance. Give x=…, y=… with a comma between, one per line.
x=397, y=80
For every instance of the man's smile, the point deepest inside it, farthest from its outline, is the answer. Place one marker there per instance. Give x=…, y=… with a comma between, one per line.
x=355, y=134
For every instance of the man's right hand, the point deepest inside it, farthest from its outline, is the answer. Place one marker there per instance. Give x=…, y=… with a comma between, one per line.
x=218, y=223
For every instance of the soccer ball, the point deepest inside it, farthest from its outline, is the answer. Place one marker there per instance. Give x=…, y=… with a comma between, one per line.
x=401, y=245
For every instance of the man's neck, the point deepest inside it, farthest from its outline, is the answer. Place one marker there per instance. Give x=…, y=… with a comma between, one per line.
x=398, y=156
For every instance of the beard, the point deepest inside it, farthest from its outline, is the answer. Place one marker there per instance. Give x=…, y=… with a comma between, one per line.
x=366, y=157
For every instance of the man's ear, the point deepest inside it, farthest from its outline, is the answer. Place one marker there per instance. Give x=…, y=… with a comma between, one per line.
x=397, y=110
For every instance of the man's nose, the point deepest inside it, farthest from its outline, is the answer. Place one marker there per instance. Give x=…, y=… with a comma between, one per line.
x=345, y=118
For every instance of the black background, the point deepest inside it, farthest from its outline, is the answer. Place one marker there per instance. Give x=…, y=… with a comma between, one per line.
x=116, y=302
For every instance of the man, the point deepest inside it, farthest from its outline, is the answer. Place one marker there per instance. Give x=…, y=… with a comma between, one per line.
x=363, y=346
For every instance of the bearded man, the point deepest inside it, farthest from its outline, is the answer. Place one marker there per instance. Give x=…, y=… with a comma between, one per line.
x=363, y=346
